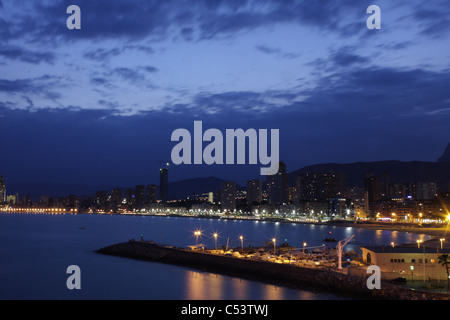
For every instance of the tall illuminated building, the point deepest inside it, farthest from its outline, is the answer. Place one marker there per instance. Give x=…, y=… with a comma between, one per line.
x=2, y=189
x=320, y=186
x=164, y=185
x=140, y=196
x=228, y=196
x=254, y=192
x=278, y=186
x=152, y=193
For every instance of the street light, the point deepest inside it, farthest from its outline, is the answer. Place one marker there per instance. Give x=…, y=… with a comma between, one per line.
x=197, y=233
x=215, y=235
x=418, y=243
x=442, y=241
x=304, y=245
x=242, y=242
x=274, y=244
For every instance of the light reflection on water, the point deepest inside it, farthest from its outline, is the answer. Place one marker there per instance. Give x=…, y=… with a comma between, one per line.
x=36, y=249
x=201, y=286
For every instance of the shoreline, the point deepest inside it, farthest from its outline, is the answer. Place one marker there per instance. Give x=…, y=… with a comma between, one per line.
x=433, y=232
x=295, y=277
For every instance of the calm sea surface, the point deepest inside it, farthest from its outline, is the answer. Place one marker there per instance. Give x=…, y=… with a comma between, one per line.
x=35, y=251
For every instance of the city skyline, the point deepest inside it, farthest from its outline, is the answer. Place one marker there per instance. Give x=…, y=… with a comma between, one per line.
x=97, y=106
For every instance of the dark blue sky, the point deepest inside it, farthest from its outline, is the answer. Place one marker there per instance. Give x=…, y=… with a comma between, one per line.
x=98, y=105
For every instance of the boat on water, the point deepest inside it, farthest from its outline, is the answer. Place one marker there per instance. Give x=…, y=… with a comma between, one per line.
x=329, y=240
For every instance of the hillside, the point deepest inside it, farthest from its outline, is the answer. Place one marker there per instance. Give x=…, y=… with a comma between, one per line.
x=399, y=172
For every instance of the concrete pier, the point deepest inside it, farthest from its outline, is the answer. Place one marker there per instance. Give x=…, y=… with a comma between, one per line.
x=316, y=280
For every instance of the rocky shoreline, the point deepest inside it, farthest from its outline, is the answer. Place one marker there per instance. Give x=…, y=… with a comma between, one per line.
x=317, y=280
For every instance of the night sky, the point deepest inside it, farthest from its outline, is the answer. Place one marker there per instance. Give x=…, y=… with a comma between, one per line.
x=98, y=105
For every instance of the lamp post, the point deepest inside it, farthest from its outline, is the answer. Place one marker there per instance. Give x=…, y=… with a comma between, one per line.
x=274, y=244
x=418, y=243
x=304, y=245
x=442, y=242
x=215, y=235
x=242, y=243
x=197, y=234
x=424, y=265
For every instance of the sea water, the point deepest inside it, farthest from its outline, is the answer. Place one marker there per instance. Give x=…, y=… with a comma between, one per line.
x=37, y=249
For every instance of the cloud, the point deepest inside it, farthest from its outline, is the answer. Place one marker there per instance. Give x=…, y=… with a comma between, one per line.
x=18, y=53
x=102, y=54
x=433, y=19
x=277, y=52
x=114, y=77
x=30, y=85
x=200, y=19
x=20, y=93
x=342, y=57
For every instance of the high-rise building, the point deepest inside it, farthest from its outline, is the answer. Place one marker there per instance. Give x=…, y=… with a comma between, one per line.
x=278, y=186
x=372, y=191
x=228, y=195
x=140, y=197
x=152, y=191
x=426, y=190
x=254, y=192
x=115, y=198
x=2, y=190
x=372, y=188
x=320, y=186
x=164, y=185
x=101, y=199
x=130, y=197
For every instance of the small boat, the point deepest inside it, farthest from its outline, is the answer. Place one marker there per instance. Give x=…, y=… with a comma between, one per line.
x=329, y=240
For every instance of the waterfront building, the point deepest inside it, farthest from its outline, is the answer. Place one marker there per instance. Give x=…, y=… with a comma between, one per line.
x=2, y=190
x=320, y=186
x=152, y=193
x=164, y=185
x=115, y=199
x=426, y=190
x=129, y=197
x=101, y=199
x=278, y=186
x=12, y=199
x=414, y=262
x=228, y=196
x=140, y=197
x=341, y=208
x=372, y=187
x=254, y=192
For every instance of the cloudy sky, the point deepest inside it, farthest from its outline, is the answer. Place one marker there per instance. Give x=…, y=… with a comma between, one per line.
x=98, y=105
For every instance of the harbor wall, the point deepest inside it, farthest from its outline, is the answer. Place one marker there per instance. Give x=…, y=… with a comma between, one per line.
x=316, y=280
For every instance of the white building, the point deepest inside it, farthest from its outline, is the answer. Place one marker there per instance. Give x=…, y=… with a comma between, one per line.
x=413, y=262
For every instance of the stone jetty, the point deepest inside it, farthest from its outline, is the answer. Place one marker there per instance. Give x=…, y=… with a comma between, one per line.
x=316, y=280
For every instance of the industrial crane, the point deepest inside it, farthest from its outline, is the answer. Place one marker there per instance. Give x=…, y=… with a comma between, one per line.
x=340, y=247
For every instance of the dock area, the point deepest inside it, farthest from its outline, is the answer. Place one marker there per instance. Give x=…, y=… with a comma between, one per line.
x=282, y=274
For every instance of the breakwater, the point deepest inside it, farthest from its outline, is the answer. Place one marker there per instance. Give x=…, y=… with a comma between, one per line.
x=316, y=280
